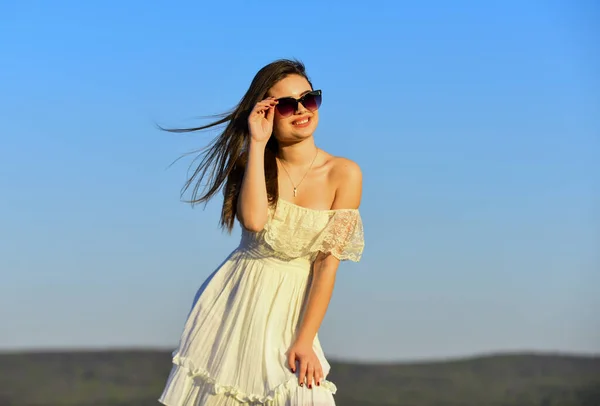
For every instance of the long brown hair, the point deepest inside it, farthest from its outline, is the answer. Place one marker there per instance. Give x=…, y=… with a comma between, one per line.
x=223, y=161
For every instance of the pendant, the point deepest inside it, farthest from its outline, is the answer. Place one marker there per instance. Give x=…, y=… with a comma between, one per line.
x=294, y=192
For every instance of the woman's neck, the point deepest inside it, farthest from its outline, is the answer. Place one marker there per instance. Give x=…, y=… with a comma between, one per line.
x=298, y=154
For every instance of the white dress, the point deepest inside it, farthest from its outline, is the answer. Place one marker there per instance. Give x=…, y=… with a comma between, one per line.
x=233, y=349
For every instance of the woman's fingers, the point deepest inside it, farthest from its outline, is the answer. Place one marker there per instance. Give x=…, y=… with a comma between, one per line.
x=303, y=370
x=292, y=361
x=261, y=111
x=270, y=113
x=318, y=375
x=310, y=376
x=265, y=104
x=306, y=364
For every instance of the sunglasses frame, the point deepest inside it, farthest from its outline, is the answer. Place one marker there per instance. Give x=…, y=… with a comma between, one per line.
x=314, y=93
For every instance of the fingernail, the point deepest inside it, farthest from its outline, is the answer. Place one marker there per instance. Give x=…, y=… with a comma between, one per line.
x=319, y=383
x=309, y=386
x=293, y=370
x=301, y=384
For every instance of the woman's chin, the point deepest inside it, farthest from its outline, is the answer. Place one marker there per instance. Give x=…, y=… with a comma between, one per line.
x=295, y=138
x=295, y=135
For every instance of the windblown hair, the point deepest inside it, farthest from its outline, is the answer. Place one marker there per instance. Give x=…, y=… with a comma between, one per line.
x=223, y=161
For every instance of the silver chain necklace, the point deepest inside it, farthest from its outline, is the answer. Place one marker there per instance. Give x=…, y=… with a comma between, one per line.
x=288, y=174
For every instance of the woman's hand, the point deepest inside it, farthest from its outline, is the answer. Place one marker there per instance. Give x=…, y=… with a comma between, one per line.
x=309, y=365
x=260, y=120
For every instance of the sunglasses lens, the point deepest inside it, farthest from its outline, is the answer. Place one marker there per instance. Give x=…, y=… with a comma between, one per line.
x=287, y=107
x=312, y=101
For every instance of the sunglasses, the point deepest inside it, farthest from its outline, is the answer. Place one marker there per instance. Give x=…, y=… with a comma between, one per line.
x=287, y=106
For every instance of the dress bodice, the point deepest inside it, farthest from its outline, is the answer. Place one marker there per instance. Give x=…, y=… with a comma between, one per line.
x=294, y=231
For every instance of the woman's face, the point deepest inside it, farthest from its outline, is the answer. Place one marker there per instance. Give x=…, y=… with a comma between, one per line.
x=301, y=122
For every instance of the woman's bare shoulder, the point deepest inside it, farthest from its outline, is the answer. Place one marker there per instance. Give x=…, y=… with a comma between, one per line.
x=346, y=177
x=341, y=169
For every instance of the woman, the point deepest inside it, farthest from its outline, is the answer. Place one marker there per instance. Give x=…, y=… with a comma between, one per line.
x=251, y=336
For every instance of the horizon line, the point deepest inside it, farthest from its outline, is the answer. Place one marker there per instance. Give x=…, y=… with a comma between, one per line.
x=421, y=360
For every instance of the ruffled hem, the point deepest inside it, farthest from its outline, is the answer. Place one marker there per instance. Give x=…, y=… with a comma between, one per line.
x=194, y=373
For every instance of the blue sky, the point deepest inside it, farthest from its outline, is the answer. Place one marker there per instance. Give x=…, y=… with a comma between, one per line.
x=476, y=124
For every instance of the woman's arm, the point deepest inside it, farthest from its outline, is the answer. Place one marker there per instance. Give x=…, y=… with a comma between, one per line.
x=252, y=206
x=321, y=290
x=253, y=203
x=325, y=267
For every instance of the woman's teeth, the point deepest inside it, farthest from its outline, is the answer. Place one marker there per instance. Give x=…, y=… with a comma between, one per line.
x=300, y=122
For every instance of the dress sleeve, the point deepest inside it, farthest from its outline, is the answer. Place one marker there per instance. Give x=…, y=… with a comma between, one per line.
x=343, y=237
x=292, y=232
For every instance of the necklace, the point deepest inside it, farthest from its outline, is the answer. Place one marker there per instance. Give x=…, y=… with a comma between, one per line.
x=288, y=174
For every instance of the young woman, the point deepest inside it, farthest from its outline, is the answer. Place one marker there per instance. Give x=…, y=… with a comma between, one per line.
x=251, y=336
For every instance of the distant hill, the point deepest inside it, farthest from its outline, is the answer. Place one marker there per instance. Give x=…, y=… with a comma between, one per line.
x=136, y=378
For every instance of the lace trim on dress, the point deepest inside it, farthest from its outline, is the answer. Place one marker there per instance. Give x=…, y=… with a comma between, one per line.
x=291, y=232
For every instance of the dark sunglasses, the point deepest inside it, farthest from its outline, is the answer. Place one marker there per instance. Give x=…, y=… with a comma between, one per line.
x=287, y=106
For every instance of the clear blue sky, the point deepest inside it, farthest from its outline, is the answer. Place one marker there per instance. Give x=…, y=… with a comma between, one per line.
x=477, y=126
